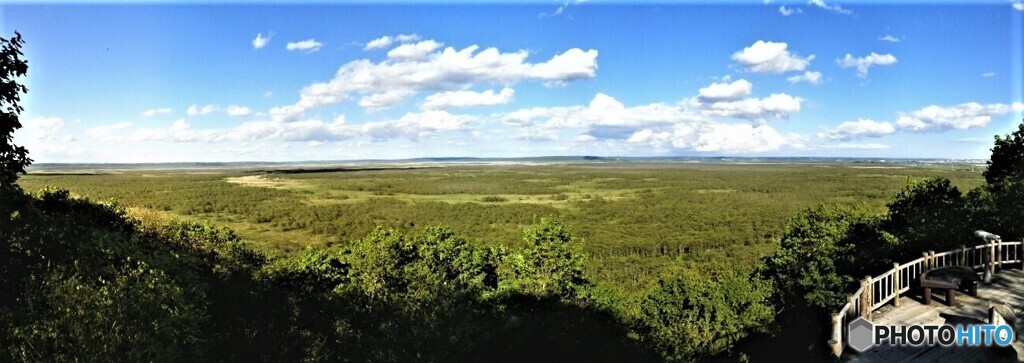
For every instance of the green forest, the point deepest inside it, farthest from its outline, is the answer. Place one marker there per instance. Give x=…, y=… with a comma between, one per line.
x=623, y=262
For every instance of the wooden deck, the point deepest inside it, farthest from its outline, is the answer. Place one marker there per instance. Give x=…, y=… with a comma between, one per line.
x=1007, y=286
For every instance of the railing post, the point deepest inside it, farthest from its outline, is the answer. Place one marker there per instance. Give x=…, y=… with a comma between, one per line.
x=924, y=262
x=963, y=255
x=896, y=284
x=853, y=307
x=931, y=257
x=990, y=264
x=865, y=298
x=999, y=254
x=837, y=335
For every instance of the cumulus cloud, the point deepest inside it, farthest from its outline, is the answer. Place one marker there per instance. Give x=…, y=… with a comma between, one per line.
x=775, y=106
x=387, y=40
x=789, y=11
x=604, y=114
x=415, y=125
x=195, y=110
x=853, y=146
x=729, y=100
x=834, y=8
x=1019, y=6
x=811, y=77
x=740, y=138
x=936, y=118
x=851, y=130
x=412, y=126
x=414, y=51
x=45, y=128
x=455, y=99
x=308, y=45
x=890, y=38
x=725, y=91
x=261, y=41
x=393, y=80
x=106, y=132
x=690, y=125
x=770, y=57
x=156, y=111
x=862, y=64
x=384, y=100
x=238, y=111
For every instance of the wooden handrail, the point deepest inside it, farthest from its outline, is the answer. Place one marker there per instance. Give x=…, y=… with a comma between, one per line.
x=874, y=292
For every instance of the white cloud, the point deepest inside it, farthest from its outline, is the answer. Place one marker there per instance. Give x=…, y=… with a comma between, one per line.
x=863, y=63
x=770, y=57
x=831, y=8
x=106, y=132
x=890, y=38
x=387, y=40
x=739, y=138
x=853, y=146
x=851, y=130
x=729, y=100
x=195, y=110
x=447, y=69
x=605, y=114
x=453, y=99
x=988, y=74
x=238, y=111
x=558, y=11
x=665, y=126
x=775, y=106
x=268, y=94
x=381, y=101
x=415, y=125
x=789, y=11
x=59, y=153
x=260, y=41
x=156, y=111
x=960, y=117
x=308, y=45
x=45, y=128
x=1019, y=6
x=811, y=77
x=414, y=51
x=412, y=126
x=725, y=91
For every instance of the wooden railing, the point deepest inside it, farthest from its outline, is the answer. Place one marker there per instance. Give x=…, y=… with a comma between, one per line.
x=874, y=292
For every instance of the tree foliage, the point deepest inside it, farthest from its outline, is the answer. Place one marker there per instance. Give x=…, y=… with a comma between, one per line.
x=823, y=252
x=551, y=265
x=1007, y=160
x=695, y=314
x=13, y=158
x=928, y=215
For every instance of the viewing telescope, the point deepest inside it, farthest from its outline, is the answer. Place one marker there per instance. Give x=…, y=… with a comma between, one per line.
x=988, y=237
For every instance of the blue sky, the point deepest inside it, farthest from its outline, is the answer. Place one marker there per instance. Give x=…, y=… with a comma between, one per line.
x=232, y=82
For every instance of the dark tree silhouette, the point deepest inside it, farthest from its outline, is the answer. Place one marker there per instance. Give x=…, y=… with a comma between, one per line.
x=13, y=158
x=1007, y=159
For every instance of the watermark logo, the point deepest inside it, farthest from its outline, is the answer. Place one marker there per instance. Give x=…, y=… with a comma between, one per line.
x=863, y=335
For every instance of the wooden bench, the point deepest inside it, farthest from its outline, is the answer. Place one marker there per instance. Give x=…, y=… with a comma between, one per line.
x=950, y=278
